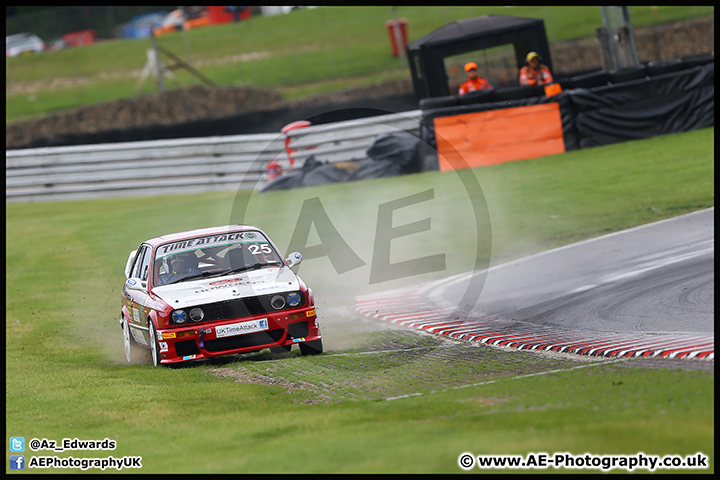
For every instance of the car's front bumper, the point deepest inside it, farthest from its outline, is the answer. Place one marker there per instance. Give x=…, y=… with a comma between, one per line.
x=214, y=339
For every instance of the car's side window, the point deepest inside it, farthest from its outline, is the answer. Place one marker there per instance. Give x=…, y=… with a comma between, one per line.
x=145, y=264
x=135, y=272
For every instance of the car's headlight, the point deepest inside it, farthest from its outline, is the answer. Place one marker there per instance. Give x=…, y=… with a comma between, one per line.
x=197, y=314
x=179, y=316
x=277, y=302
x=294, y=299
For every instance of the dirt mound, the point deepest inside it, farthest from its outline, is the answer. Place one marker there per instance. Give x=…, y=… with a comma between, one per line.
x=199, y=111
x=171, y=107
x=390, y=88
x=665, y=41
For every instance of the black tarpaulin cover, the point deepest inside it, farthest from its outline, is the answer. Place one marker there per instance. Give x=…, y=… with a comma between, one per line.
x=670, y=103
x=471, y=28
x=390, y=154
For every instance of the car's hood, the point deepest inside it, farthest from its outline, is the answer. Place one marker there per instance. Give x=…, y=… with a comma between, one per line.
x=217, y=289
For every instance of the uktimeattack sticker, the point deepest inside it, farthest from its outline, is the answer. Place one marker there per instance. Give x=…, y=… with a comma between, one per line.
x=241, y=328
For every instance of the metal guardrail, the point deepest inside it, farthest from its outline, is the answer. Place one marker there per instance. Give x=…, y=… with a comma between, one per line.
x=190, y=165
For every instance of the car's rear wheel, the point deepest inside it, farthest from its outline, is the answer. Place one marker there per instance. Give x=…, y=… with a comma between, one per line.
x=154, y=346
x=132, y=349
x=311, y=348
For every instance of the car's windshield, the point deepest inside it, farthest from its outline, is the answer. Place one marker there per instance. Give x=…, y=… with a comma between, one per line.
x=211, y=256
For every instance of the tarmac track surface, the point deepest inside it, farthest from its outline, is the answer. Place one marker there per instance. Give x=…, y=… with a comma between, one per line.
x=643, y=292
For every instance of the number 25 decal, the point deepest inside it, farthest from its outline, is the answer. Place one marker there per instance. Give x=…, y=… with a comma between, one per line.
x=255, y=248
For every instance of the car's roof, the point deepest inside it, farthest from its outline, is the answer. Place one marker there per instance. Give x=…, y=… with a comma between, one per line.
x=18, y=35
x=172, y=237
x=21, y=37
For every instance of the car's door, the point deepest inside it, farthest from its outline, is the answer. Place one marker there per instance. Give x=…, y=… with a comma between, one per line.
x=135, y=295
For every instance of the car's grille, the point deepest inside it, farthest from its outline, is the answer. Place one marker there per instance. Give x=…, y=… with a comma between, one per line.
x=242, y=307
x=242, y=341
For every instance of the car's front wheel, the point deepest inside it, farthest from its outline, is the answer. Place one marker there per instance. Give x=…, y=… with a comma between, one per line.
x=311, y=348
x=154, y=346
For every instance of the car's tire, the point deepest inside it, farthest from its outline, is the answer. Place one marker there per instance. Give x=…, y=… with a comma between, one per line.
x=311, y=348
x=133, y=353
x=282, y=349
x=154, y=346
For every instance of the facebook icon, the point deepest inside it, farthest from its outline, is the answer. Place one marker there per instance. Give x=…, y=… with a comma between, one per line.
x=17, y=462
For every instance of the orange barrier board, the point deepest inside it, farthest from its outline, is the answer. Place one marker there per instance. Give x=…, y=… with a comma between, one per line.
x=488, y=138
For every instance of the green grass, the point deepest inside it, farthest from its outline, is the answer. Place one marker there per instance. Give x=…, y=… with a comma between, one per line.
x=65, y=377
x=302, y=48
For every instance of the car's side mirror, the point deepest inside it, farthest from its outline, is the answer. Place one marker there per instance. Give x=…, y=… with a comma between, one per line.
x=294, y=259
x=135, y=284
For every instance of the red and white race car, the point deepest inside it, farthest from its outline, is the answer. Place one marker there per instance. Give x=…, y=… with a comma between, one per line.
x=215, y=291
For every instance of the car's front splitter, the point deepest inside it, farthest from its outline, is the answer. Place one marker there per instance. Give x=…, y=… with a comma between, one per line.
x=218, y=339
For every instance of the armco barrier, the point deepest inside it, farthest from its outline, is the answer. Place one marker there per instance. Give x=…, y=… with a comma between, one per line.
x=190, y=165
